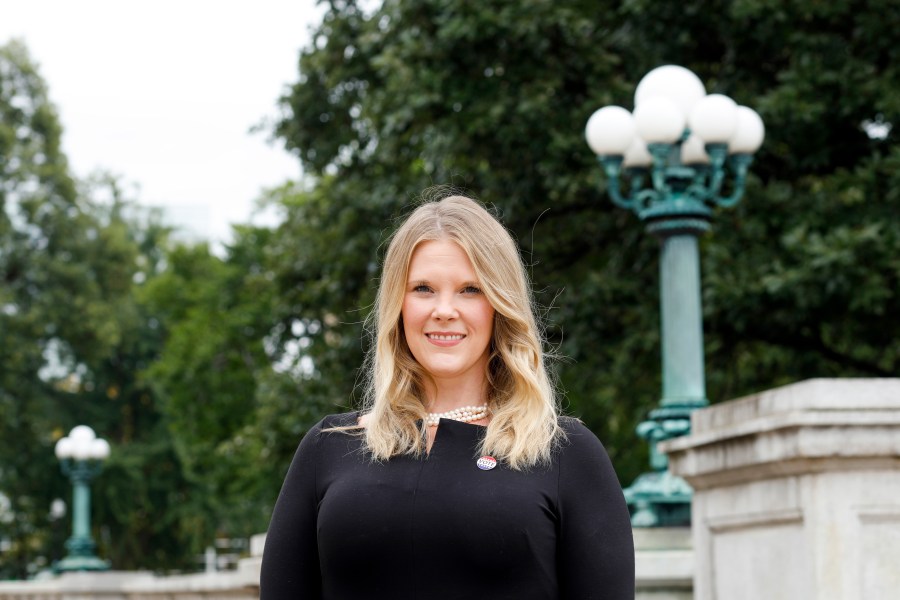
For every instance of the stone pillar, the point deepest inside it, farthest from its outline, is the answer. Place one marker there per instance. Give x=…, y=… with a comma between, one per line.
x=664, y=563
x=796, y=492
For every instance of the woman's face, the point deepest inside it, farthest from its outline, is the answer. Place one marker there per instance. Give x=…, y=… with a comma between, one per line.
x=447, y=320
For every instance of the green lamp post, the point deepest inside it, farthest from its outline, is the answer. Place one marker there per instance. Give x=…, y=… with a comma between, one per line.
x=675, y=152
x=81, y=455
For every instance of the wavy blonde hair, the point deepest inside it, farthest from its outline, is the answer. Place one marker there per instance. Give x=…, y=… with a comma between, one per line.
x=524, y=424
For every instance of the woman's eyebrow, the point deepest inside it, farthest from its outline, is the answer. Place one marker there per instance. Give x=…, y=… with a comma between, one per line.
x=468, y=282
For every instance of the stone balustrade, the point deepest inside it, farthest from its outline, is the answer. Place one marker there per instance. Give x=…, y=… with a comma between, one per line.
x=239, y=584
x=664, y=572
x=796, y=492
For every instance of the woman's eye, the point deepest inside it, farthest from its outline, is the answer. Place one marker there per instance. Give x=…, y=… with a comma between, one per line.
x=471, y=289
x=421, y=288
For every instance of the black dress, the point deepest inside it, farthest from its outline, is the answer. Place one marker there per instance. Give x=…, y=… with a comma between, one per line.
x=440, y=527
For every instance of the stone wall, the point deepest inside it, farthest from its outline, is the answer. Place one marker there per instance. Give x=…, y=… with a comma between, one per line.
x=664, y=563
x=796, y=492
x=664, y=572
x=240, y=584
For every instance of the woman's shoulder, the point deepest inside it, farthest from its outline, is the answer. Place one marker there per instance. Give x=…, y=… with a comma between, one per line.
x=345, y=419
x=577, y=435
x=582, y=456
x=573, y=425
x=327, y=427
x=333, y=422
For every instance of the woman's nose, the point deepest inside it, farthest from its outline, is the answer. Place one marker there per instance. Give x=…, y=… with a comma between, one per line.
x=444, y=308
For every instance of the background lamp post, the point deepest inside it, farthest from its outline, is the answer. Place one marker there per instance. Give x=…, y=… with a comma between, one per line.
x=81, y=455
x=675, y=152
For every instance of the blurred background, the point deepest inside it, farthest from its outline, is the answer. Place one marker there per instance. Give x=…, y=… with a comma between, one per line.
x=196, y=198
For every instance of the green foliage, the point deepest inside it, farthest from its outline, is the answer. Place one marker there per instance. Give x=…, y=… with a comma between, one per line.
x=492, y=97
x=204, y=371
x=215, y=315
x=52, y=299
x=73, y=341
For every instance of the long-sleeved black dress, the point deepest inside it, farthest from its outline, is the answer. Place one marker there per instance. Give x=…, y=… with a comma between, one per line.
x=439, y=527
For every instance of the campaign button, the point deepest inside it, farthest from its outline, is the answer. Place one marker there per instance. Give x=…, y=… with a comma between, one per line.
x=486, y=463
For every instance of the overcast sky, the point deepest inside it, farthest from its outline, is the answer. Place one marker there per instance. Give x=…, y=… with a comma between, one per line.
x=164, y=93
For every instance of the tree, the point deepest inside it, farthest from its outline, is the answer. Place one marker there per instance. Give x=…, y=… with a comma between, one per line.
x=492, y=97
x=215, y=315
x=160, y=348
x=55, y=299
x=73, y=341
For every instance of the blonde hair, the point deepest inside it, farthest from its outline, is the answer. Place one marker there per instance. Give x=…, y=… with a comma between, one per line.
x=524, y=424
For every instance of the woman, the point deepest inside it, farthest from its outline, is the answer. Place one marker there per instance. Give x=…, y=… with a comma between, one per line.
x=459, y=479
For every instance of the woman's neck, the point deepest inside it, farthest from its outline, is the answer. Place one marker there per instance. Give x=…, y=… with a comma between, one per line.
x=444, y=395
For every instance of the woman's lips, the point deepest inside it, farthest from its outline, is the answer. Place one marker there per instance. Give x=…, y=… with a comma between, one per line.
x=445, y=338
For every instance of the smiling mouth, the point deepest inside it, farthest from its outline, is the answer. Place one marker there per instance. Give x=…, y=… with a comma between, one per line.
x=445, y=338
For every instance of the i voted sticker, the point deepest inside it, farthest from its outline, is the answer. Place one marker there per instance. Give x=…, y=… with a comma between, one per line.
x=486, y=463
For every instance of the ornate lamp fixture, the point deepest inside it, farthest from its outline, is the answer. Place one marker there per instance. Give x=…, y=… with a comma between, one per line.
x=676, y=151
x=81, y=456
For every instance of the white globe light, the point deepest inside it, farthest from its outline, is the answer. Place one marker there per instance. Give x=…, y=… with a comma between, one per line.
x=693, y=151
x=81, y=450
x=610, y=130
x=57, y=508
x=99, y=449
x=749, y=133
x=676, y=83
x=714, y=119
x=637, y=155
x=63, y=448
x=81, y=432
x=659, y=120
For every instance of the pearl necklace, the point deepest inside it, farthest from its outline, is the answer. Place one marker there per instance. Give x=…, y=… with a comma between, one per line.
x=463, y=413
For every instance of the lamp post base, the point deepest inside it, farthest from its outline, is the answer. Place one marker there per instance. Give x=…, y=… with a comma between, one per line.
x=81, y=563
x=81, y=556
x=659, y=499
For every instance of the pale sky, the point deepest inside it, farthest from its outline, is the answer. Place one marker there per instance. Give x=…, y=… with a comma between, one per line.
x=164, y=93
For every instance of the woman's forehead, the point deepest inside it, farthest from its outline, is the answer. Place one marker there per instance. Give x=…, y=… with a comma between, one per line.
x=439, y=257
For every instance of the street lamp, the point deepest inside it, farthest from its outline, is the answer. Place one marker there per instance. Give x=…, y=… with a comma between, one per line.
x=81, y=455
x=675, y=152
